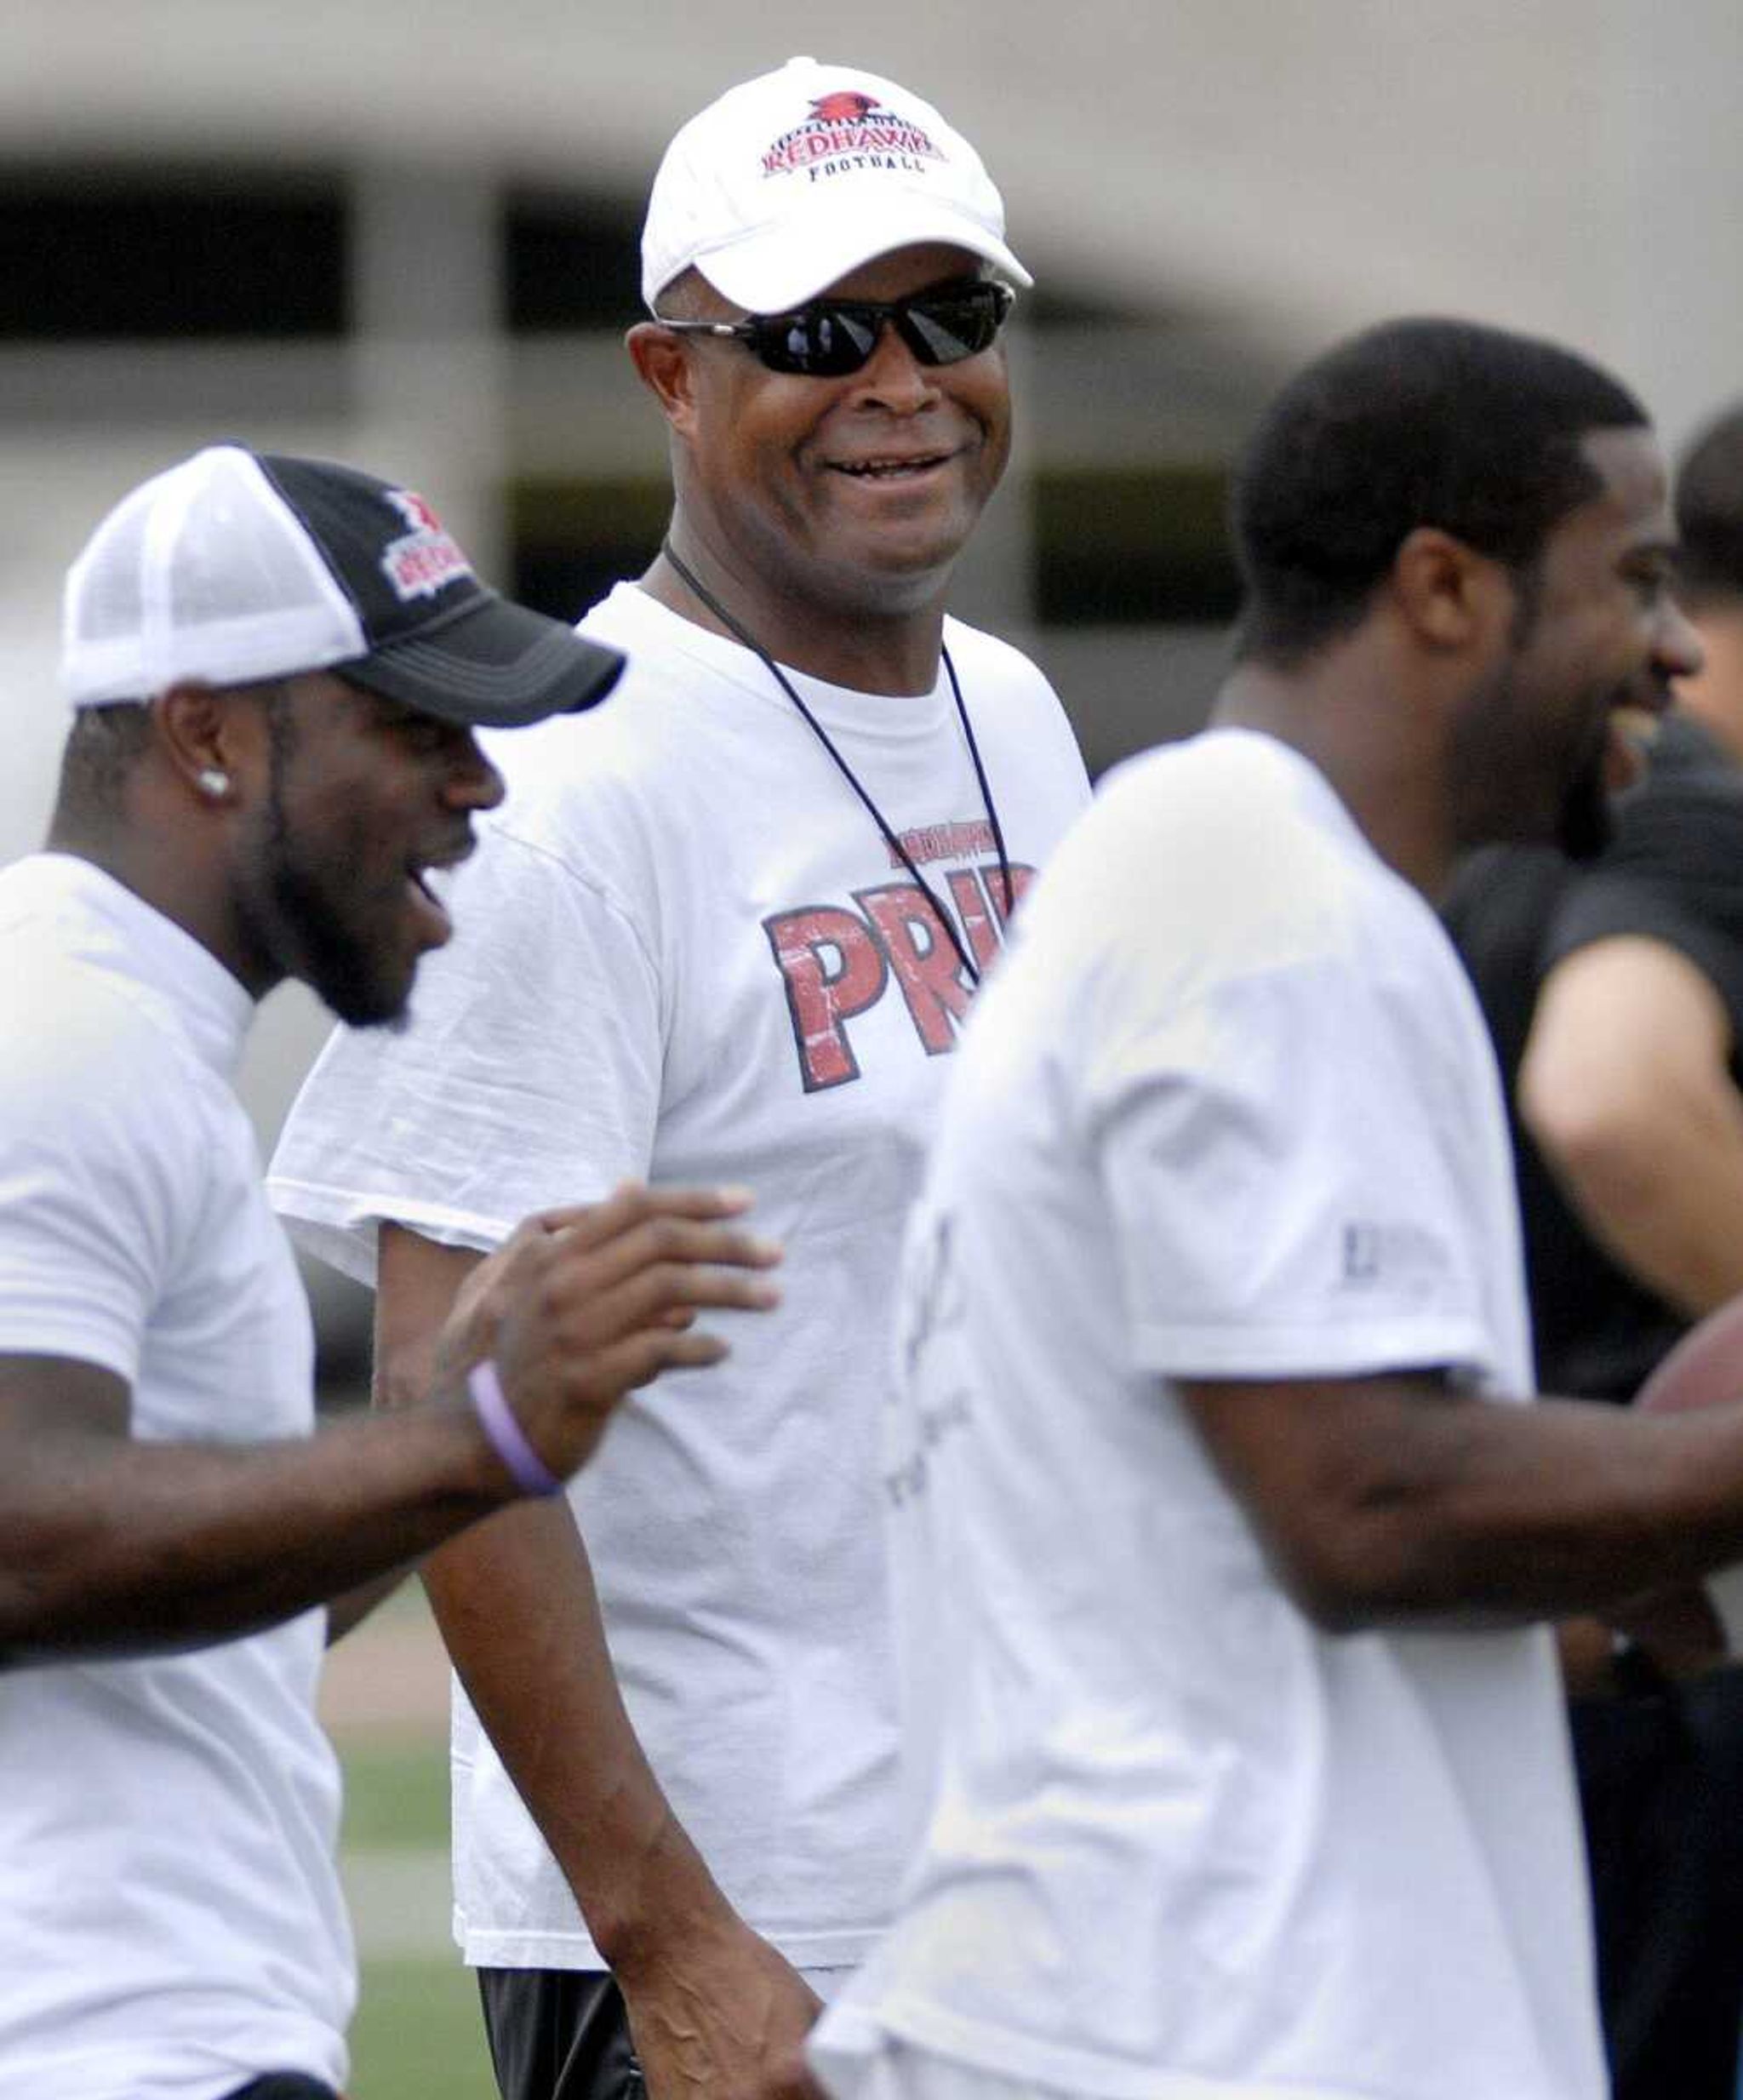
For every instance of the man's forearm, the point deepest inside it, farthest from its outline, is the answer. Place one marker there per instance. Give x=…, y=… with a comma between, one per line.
x=114, y=1545
x=517, y=1606
x=111, y=1543
x=1391, y=1500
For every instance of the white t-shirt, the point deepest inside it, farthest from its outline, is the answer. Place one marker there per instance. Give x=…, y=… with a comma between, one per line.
x=1228, y=1111
x=170, y=1917
x=684, y=951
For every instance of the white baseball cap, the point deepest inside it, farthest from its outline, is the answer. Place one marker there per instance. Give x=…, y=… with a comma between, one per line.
x=790, y=180
x=237, y=567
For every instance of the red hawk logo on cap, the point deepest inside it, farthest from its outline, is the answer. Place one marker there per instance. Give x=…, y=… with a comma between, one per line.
x=424, y=560
x=846, y=105
x=849, y=131
x=415, y=511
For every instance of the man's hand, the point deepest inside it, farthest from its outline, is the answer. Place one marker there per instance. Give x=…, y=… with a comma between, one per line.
x=1674, y=1630
x=722, y=2016
x=577, y=1309
x=581, y=1306
x=792, y=2079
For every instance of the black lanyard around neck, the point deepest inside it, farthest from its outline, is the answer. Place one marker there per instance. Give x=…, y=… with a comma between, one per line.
x=896, y=845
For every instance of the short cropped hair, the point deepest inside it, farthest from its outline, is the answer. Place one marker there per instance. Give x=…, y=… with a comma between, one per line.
x=106, y=743
x=1709, y=506
x=689, y=297
x=1417, y=422
x=102, y=748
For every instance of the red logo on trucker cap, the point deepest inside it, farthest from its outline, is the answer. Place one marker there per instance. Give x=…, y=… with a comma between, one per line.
x=848, y=129
x=427, y=558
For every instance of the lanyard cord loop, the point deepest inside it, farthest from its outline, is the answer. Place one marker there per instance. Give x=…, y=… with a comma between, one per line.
x=897, y=848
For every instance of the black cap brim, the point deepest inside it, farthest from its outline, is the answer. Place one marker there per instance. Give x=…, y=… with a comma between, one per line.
x=492, y=664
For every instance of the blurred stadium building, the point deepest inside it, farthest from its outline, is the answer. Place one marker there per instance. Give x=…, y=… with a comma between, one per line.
x=404, y=232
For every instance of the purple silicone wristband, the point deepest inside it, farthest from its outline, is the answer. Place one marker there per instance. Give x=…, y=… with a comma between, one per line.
x=531, y=1476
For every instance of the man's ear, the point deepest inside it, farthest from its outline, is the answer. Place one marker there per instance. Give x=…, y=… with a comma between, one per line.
x=205, y=737
x=1451, y=597
x=664, y=365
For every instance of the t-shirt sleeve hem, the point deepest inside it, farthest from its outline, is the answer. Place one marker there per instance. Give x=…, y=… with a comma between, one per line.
x=117, y=1353
x=338, y=1226
x=1313, y=1351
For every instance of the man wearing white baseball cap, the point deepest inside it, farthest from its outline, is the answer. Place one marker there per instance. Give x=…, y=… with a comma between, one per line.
x=779, y=863
x=793, y=179
x=274, y=666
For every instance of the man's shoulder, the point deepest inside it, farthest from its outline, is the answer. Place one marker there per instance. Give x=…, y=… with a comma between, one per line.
x=990, y=667
x=653, y=731
x=1676, y=853
x=1224, y=792
x=1500, y=907
x=75, y=1020
x=1686, y=751
x=1221, y=846
x=1691, y=782
x=99, y=1087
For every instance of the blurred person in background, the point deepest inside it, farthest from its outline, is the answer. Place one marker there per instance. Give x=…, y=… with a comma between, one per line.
x=276, y=666
x=729, y=928
x=1614, y=989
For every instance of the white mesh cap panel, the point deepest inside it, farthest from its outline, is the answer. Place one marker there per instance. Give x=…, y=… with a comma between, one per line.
x=203, y=573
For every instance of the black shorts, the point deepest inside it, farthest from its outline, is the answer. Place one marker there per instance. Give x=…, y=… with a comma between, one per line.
x=284, y=2086
x=1662, y=1791
x=559, y=2034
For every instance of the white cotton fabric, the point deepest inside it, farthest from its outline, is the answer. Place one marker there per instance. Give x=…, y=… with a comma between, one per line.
x=613, y=1004
x=170, y=1916
x=1228, y=1111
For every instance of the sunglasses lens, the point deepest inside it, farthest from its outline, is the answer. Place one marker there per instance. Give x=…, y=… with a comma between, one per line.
x=831, y=338
x=943, y=328
x=822, y=342
x=842, y=339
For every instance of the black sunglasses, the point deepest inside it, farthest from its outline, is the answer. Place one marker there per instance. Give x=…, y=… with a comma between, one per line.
x=832, y=337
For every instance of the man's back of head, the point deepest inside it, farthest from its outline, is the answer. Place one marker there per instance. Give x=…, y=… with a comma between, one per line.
x=1709, y=507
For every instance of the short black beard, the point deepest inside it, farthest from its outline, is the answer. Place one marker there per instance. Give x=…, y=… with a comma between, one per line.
x=292, y=919
x=328, y=958
x=1585, y=824
x=1587, y=827
x=1588, y=822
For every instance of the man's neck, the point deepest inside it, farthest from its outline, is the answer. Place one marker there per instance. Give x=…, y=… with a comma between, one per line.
x=1361, y=738
x=867, y=650
x=182, y=890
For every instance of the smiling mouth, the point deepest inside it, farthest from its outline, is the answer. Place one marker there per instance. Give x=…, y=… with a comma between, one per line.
x=890, y=470
x=429, y=908
x=1631, y=730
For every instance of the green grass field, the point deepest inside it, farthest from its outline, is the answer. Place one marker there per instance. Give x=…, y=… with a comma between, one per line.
x=417, y=2034
x=396, y=1798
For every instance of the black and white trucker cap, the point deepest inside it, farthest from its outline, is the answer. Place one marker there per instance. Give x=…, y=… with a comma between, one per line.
x=239, y=567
